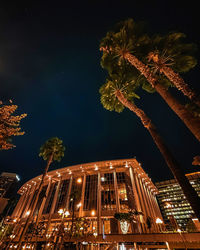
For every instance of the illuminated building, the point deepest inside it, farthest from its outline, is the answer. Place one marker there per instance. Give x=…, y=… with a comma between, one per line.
x=105, y=188
x=174, y=206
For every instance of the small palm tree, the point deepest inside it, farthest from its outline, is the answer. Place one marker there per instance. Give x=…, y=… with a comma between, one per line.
x=118, y=93
x=52, y=150
x=171, y=56
x=129, y=43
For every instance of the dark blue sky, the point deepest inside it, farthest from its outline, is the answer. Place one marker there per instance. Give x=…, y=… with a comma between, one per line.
x=50, y=67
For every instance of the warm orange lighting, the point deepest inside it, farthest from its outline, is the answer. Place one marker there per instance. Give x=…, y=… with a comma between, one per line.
x=79, y=205
x=79, y=180
x=60, y=211
x=28, y=212
x=92, y=212
x=159, y=221
x=66, y=213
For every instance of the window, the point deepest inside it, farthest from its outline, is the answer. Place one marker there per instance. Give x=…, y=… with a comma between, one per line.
x=90, y=197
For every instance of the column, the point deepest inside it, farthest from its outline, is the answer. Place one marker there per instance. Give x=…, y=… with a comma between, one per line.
x=31, y=193
x=116, y=192
x=151, y=212
x=20, y=212
x=17, y=208
x=144, y=199
x=82, y=196
x=99, y=231
x=152, y=208
x=135, y=193
x=141, y=199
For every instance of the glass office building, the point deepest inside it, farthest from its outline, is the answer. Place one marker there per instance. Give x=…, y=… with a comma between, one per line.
x=175, y=209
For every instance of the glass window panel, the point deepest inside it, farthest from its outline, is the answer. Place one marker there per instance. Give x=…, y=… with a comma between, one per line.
x=50, y=197
x=90, y=197
x=108, y=200
x=62, y=195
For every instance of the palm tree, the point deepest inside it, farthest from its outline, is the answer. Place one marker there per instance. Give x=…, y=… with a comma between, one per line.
x=52, y=150
x=170, y=55
x=118, y=93
x=129, y=43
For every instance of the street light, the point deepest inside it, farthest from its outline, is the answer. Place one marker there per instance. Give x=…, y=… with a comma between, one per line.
x=63, y=212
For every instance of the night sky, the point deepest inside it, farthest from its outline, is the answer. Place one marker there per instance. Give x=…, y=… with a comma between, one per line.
x=50, y=68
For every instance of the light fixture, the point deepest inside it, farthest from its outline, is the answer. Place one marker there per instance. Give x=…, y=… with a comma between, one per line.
x=102, y=178
x=126, y=165
x=159, y=221
x=95, y=234
x=79, y=180
x=17, y=177
x=92, y=212
x=66, y=213
x=111, y=167
x=79, y=205
x=96, y=167
x=60, y=211
x=28, y=212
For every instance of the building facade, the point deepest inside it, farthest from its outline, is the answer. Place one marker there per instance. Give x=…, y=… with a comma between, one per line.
x=94, y=191
x=8, y=189
x=176, y=210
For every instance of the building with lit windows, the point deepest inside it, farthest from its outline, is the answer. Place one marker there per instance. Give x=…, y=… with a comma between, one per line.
x=8, y=188
x=175, y=209
x=104, y=188
x=77, y=207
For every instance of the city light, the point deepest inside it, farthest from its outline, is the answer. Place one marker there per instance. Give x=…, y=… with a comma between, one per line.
x=63, y=212
x=28, y=212
x=79, y=180
x=60, y=211
x=95, y=234
x=92, y=212
x=159, y=221
x=79, y=205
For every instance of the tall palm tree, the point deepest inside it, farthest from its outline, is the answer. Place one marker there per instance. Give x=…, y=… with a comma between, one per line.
x=129, y=43
x=170, y=56
x=118, y=93
x=52, y=150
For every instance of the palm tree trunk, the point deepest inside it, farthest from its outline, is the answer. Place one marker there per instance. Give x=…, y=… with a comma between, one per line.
x=173, y=165
x=180, y=84
x=185, y=115
x=35, y=200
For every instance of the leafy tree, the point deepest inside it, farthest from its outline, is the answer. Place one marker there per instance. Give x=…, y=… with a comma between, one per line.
x=196, y=160
x=9, y=125
x=170, y=56
x=52, y=150
x=117, y=93
x=128, y=43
